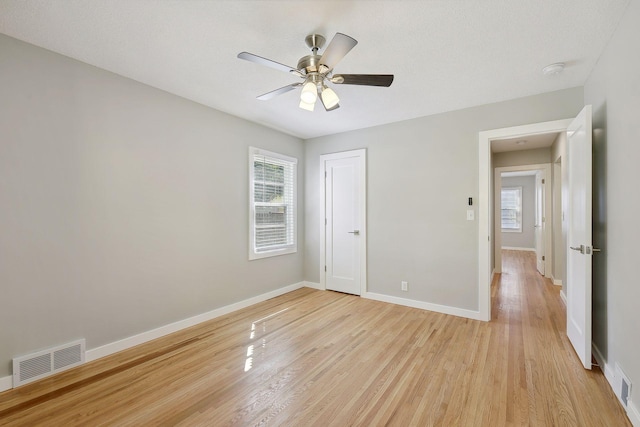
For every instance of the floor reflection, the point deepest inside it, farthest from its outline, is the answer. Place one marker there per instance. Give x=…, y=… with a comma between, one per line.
x=260, y=324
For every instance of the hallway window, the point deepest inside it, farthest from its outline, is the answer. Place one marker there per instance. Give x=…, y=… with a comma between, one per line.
x=511, y=205
x=272, y=204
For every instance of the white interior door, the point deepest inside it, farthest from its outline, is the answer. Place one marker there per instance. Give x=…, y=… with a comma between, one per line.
x=579, y=235
x=539, y=223
x=344, y=211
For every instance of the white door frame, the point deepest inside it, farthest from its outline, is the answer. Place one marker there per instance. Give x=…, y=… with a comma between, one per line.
x=362, y=182
x=485, y=196
x=548, y=250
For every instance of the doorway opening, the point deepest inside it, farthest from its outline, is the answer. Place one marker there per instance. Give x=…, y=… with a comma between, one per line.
x=533, y=229
x=487, y=253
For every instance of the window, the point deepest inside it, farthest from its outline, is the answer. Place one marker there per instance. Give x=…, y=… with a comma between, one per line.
x=272, y=204
x=511, y=202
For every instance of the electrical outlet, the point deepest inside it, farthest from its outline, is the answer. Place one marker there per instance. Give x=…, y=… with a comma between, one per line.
x=404, y=286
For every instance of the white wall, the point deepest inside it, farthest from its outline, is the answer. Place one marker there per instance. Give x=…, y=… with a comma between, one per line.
x=614, y=91
x=123, y=208
x=525, y=238
x=420, y=175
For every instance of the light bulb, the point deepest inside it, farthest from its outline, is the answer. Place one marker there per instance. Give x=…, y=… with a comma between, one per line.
x=309, y=93
x=329, y=98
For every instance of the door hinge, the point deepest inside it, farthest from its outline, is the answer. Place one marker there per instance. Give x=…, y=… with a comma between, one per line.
x=325, y=268
x=543, y=257
x=543, y=181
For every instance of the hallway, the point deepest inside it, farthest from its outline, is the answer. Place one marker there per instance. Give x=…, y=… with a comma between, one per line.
x=542, y=365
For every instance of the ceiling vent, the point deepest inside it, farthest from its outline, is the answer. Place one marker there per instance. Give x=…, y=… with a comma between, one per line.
x=47, y=362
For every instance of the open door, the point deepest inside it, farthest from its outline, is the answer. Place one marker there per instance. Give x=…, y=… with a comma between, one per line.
x=579, y=254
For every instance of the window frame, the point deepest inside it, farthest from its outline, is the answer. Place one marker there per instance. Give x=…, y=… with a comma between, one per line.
x=288, y=248
x=518, y=210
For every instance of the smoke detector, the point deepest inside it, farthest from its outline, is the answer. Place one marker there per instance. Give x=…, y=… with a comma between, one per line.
x=553, y=69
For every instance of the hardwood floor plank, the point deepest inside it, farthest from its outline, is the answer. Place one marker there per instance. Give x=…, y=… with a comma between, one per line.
x=324, y=358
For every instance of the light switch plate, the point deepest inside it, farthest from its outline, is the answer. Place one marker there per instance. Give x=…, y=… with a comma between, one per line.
x=470, y=215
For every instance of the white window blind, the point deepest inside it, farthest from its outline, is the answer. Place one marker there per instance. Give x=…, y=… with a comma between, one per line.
x=511, y=206
x=272, y=200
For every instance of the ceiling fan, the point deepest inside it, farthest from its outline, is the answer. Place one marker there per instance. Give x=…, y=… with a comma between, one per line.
x=316, y=70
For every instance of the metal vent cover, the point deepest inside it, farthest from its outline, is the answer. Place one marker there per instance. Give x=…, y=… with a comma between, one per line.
x=47, y=362
x=623, y=386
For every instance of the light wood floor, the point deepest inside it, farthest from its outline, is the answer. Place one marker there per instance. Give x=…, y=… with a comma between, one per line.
x=323, y=358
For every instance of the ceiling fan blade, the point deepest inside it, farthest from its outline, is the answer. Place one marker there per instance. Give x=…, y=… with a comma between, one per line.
x=340, y=45
x=363, y=79
x=269, y=63
x=277, y=92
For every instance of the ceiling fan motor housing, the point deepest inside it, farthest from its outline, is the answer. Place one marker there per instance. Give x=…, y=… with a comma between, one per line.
x=310, y=63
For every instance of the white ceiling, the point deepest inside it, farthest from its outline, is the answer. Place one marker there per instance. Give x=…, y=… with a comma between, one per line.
x=445, y=54
x=530, y=142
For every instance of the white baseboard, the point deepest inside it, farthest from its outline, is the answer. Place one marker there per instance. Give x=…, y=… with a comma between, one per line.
x=6, y=383
x=114, y=347
x=633, y=413
x=555, y=281
x=445, y=309
x=604, y=367
x=313, y=285
x=632, y=410
x=563, y=297
x=513, y=248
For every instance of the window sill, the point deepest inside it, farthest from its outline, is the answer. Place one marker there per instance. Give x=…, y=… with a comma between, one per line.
x=269, y=254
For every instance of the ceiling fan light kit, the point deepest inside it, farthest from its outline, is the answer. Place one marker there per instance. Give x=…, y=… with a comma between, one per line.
x=317, y=69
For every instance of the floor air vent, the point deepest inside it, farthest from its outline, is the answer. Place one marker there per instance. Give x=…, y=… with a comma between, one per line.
x=47, y=362
x=623, y=386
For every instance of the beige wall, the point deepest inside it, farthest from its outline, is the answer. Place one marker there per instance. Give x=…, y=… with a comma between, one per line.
x=614, y=91
x=420, y=174
x=123, y=208
x=522, y=157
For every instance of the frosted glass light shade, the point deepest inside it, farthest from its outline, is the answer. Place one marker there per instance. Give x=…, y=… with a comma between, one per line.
x=309, y=93
x=329, y=98
x=307, y=106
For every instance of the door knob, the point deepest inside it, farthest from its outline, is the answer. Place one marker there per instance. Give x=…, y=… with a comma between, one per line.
x=356, y=232
x=586, y=250
x=579, y=249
